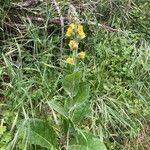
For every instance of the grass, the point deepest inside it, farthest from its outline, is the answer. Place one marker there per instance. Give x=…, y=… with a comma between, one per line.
x=46, y=104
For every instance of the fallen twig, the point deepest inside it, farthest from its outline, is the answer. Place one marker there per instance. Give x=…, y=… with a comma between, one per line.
x=27, y=3
x=56, y=21
x=103, y=26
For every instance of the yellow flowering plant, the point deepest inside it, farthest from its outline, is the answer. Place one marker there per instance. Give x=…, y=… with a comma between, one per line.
x=75, y=33
x=75, y=86
x=74, y=83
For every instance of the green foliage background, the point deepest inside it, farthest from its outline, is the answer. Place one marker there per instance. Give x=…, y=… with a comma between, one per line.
x=103, y=105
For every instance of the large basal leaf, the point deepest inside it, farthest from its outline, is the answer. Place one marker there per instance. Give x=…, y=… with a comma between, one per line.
x=71, y=83
x=83, y=93
x=77, y=147
x=96, y=144
x=89, y=141
x=80, y=113
x=38, y=132
x=80, y=106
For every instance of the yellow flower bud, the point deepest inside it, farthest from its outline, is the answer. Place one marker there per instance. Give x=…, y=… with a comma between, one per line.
x=70, y=60
x=82, y=35
x=82, y=55
x=69, y=32
x=80, y=31
x=73, y=44
x=72, y=25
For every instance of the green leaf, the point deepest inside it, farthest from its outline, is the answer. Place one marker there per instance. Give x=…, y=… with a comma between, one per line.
x=1, y=71
x=71, y=83
x=96, y=144
x=58, y=108
x=77, y=147
x=90, y=141
x=80, y=113
x=2, y=129
x=146, y=67
x=6, y=137
x=38, y=132
x=80, y=107
x=83, y=93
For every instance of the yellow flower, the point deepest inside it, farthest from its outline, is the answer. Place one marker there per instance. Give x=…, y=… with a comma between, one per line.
x=69, y=32
x=80, y=28
x=82, y=35
x=73, y=44
x=70, y=60
x=82, y=55
x=72, y=25
x=80, y=31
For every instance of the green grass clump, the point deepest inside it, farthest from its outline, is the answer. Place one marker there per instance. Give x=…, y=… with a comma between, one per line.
x=98, y=102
